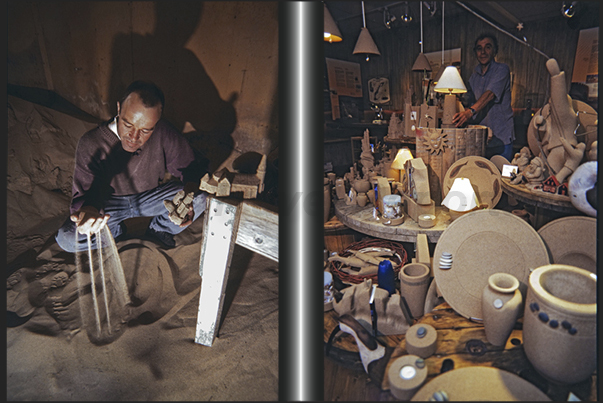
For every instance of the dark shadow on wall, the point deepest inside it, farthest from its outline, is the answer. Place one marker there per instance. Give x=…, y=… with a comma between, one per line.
x=190, y=94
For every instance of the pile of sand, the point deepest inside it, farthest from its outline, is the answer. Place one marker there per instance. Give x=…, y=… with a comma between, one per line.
x=50, y=353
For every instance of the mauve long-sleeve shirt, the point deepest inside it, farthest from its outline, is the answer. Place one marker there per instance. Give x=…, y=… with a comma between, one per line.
x=103, y=168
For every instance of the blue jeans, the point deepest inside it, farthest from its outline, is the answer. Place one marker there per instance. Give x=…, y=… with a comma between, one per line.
x=120, y=208
x=496, y=147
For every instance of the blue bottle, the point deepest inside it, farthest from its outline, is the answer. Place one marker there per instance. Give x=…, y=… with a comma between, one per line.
x=386, y=278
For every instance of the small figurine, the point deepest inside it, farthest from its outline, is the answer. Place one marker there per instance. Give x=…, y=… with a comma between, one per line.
x=522, y=159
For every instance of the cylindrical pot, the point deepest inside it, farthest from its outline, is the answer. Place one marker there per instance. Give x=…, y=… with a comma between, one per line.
x=501, y=306
x=327, y=199
x=414, y=281
x=560, y=323
x=392, y=206
x=406, y=375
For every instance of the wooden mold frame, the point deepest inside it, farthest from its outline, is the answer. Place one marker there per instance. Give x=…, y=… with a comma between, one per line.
x=226, y=224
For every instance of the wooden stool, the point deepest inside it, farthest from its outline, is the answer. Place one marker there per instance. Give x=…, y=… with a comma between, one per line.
x=227, y=223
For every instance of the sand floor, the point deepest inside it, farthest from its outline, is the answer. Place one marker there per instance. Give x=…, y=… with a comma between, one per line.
x=51, y=354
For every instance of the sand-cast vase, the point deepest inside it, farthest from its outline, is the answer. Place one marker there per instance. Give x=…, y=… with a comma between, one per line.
x=362, y=185
x=560, y=323
x=414, y=281
x=501, y=306
x=362, y=199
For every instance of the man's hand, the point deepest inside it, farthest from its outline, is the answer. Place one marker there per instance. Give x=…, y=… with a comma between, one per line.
x=188, y=220
x=459, y=119
x=89, y=220
x=181, y=208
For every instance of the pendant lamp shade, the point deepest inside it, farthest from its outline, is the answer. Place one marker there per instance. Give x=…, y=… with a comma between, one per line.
x=436, y=79
x=421, y=64
x=365, y=43
x=450, y=82
x=332, y=33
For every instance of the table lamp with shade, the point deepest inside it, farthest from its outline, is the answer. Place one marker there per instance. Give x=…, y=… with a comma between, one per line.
x=461, y=198
x=402, y=156
x=451, y=84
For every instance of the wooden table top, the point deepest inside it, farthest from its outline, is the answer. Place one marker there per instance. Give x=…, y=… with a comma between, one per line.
x=361, y=219
x=462, y=343
x=541, y=199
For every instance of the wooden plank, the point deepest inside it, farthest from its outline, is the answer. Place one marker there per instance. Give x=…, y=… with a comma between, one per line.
x=221, y=222
x=258, y=230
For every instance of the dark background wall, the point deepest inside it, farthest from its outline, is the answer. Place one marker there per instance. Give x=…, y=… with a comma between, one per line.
x=217, y=63
x=400, y=46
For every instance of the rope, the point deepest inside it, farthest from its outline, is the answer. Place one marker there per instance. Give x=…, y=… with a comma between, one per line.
x=400, y=258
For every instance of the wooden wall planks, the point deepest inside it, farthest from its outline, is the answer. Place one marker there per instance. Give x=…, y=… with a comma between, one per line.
x=400, y=47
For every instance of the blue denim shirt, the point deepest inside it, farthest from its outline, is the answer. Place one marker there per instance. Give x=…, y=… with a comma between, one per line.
x=498, y=114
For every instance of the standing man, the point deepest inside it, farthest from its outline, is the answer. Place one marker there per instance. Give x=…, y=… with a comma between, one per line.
x=490, y=98
x=119, y=169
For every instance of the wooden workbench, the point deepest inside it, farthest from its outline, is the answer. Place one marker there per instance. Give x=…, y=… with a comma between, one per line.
x=461, y=343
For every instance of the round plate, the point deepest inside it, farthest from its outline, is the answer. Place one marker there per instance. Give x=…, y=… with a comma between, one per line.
x=572, y=241
x=484, y=242
x=481, y=384
x=484, y=177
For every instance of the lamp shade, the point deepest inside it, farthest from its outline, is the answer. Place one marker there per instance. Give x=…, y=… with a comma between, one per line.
x=402, y=156
x=332, y=33
x=450, y=82
x=421, y=63
x=461, y=196
x=365, y=43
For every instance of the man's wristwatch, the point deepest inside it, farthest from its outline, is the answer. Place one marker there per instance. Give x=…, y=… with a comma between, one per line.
x=472, y=111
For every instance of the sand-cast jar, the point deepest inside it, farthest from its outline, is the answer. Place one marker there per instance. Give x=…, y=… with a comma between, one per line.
x=560, y=323
x=362, y=199
x=501, y=306
x=414, y=281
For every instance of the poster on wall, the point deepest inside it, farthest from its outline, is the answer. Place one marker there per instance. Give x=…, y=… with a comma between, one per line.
x=344, y=81
x=586, y=62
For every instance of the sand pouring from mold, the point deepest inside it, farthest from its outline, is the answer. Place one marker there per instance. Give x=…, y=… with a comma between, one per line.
x=102, y=288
